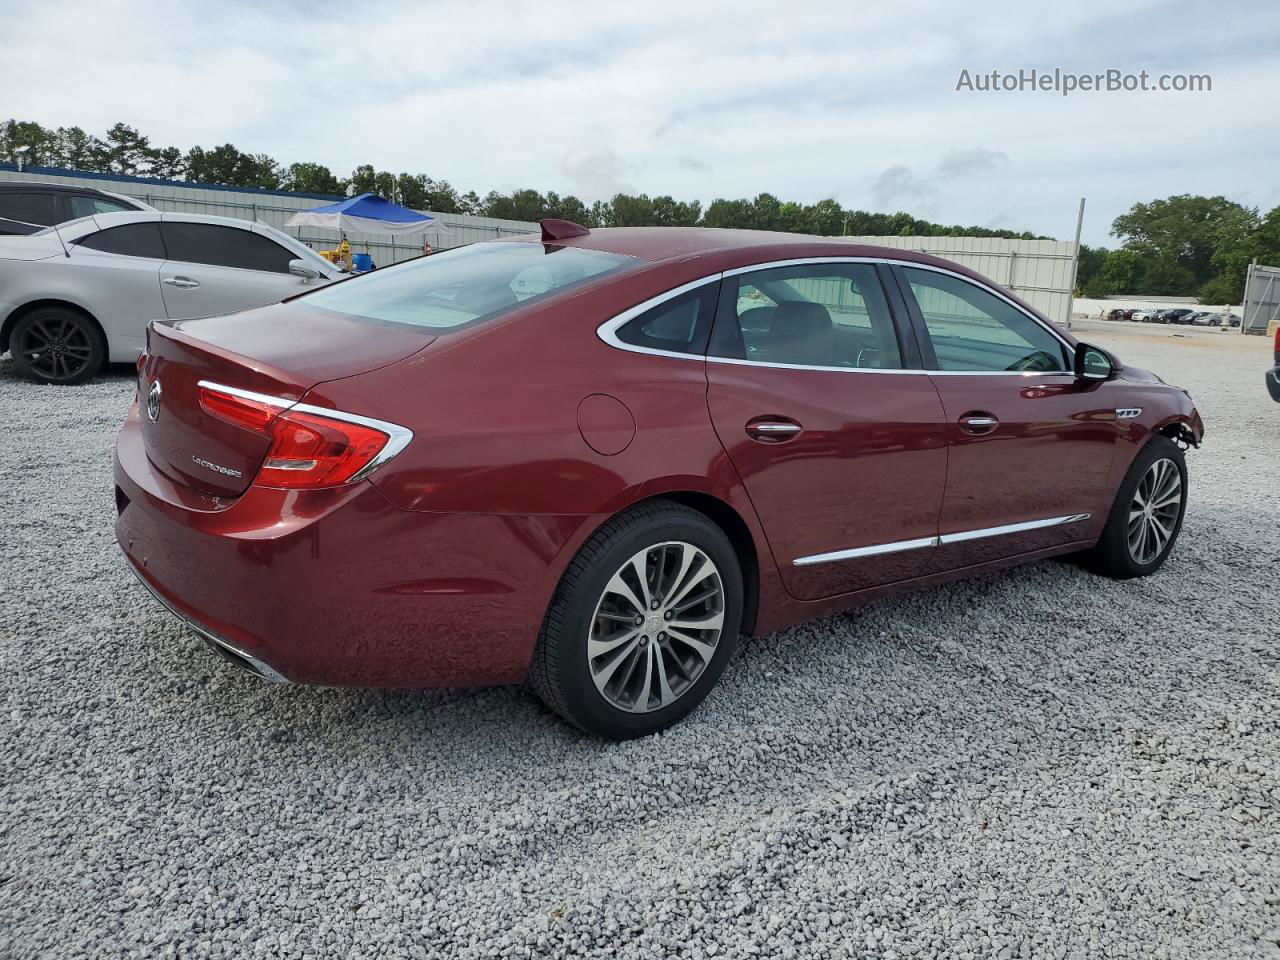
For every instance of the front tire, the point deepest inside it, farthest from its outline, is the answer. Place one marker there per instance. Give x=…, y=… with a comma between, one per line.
x=642, y=623
x=1146, y=518
x=57, y=345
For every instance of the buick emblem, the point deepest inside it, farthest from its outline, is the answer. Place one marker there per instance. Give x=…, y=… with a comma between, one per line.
x=153, y=402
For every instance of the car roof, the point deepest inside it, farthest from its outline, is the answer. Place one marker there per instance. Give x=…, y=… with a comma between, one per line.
x=730, y=246
x=26, y=186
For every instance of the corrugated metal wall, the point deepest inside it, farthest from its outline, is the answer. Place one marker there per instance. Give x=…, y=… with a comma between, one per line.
x=1039, y=271
x=275, y=207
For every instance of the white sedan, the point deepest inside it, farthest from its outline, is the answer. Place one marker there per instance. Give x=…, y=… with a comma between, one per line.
x=80, y=295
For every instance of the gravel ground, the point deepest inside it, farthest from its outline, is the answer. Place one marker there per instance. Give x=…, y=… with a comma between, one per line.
x=1036, y=764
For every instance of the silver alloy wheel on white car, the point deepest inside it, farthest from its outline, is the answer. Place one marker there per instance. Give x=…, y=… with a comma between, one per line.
x=656, y=626
x=1153, y=514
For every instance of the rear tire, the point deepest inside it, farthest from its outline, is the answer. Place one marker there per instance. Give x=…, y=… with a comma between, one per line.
x=617, y=671
x=1146, y=518
x=57, y=345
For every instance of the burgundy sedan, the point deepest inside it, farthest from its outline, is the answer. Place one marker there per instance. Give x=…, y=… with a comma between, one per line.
x=593, y=459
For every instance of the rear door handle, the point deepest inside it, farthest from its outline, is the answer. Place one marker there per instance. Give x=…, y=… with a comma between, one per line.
x=978, y=422
x=185, y=283
x=772, y=429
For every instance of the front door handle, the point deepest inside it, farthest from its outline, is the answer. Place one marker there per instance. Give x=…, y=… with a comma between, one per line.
x=978, y=422
x=772, y=429
x=184, y=283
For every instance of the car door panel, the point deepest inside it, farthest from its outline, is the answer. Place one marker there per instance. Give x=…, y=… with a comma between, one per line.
x=217, y=268
x=1048, y=458
x=866, y=470
x=192, y=290
x=1030, y=450
x=118, y=282
x=845, y=466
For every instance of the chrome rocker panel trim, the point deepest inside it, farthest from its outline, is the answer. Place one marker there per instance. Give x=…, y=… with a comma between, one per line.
x=900, y=545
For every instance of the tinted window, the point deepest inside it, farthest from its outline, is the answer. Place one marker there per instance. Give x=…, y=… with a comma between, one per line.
x=818, y=315
x=467, y=284
x=130, y=240
x=972, y=329
x=224, y=247
x=28, y=207
x=680, y=325
x=88, y=206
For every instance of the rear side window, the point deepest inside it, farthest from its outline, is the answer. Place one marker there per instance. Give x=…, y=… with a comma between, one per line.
x=88, y=206
x=467, y=284
x=808, y=315
x=680, y=325
x=130, y=240
x=973, y=330
x=34, y=208
x=224, y=247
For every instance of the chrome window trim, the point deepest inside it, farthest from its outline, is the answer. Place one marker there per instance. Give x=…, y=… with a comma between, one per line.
x=607, y=331
x=900, y=545
x=398, y=437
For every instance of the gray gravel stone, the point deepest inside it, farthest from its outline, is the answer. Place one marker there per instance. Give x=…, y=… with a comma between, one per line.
x=1036, y=764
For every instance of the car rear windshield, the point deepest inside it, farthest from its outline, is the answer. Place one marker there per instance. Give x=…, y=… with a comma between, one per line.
x=467, y=284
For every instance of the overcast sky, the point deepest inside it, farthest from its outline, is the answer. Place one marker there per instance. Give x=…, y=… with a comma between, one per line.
x=848, y=100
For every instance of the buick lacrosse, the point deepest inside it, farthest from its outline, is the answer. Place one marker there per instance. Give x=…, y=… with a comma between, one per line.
x=593, y=459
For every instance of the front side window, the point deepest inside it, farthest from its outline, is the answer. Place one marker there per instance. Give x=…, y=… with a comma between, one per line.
x=972, y=329
x=88, y=206
x=129, y=240
x=816, y=315
x=224, y=247
x=467, y=284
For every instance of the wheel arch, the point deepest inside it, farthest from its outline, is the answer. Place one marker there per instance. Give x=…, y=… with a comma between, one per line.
x=6, y=329
x=725, y=516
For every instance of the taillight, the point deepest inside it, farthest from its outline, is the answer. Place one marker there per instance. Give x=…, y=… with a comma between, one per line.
x=310, y=446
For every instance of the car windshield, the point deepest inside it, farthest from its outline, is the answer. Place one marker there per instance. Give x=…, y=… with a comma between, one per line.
x=467, y=284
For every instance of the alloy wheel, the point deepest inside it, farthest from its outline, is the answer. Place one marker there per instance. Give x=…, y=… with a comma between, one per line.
x=656, y=626
x=57, y=348
x=1153, y=514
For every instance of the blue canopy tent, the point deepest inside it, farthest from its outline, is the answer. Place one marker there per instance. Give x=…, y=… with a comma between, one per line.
x=366, y=213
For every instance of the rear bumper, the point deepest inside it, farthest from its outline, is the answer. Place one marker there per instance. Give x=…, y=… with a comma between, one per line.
x=1273, y=383
x=341, y=587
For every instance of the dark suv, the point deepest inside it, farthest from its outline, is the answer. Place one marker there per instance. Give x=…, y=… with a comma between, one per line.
x=27, y=205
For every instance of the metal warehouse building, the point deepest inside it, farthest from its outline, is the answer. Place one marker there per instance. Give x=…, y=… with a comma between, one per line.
x=1039, y=271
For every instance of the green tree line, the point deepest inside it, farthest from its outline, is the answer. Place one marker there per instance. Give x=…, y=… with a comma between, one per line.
x=124, y=150
x=1179, y=246
x=1182, y=246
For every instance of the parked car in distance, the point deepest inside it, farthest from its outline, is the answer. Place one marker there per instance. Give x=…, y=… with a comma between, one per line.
x=81, y=294
x=28, y=206
x=1203, y=318
x=1145, y=315
x=1180, y=315
x=1233, y=320
x=424, y=478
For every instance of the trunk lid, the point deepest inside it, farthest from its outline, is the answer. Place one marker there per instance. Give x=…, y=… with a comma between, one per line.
x=280, y=351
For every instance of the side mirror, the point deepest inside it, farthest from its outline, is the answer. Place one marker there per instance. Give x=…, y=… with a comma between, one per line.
x=1094, y=363
x=300, y=268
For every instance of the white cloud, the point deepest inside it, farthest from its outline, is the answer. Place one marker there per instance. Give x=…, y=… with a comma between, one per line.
x=695, y=100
